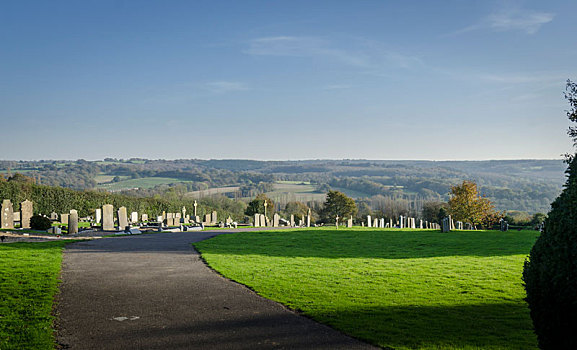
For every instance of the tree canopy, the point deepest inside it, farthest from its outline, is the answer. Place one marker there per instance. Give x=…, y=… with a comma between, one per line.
x=337, y=203
x=467, y=205
x=256, y=206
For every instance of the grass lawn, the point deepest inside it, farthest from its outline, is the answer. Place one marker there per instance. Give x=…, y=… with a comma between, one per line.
x=29, y=275
x=399, y=289
x=144, y=182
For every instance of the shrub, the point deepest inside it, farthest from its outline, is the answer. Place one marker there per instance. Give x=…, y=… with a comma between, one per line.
x=40, y=223
x=550, y=273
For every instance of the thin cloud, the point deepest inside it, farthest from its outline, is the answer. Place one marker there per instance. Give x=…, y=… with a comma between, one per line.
x=221, y=87
x=525, y=21
x=362, y=54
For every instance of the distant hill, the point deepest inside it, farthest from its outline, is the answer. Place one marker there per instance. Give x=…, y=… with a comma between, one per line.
x=528, y=185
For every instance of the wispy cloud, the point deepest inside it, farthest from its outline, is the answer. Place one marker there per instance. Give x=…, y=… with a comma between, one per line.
x=525, y=21
x=221, y=87
x=359, y=53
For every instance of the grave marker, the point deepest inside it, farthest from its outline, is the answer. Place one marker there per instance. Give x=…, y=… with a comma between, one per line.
x=108, y=217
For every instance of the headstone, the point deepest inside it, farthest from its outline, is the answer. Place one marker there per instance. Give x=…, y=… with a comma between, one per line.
x=170, y=219
x=134, y=217
x=159, y=220
x=256, y=220
x=229, y=221
x=98, y=215
x=183, y=212
x=195, y=204
x=122, y=218
x=177, y=217
x=292, y=220
x=108, y=217
x=401, y=222
x=337, y=222
x=262, y=220
x=73, y=222
x=64, y=219
x=207, y=218
x=186, y=219
x=26, y=210
x=301, y=222
x=53, y=216
x=369, y=222
x=55, y=230
x=308, y=221
x=17, y=216
x=376, y=223
x=382, y=223
x=213, y=218
x=197, y=219
x=421, y=223
x=276, y=220
x=350, y=222
x=144, y=217
x=446, y=225
x=391, y=223
x=7, y=214
x=163, y=215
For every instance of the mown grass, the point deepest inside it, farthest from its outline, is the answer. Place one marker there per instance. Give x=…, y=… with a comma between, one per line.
x=145, y=182
x=28, y=282
x=400, y=289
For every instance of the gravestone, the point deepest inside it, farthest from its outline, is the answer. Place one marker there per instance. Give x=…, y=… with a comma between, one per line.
x=337, y=222
x=382, y=223
x=308, y=221
x=391, y=223
x=197, y=219
x=276, y=220
x=183, y=212
x=122, y=218
x=186, y=219
x=159, y=220
x=376, y=223
x=53, y=216
x=256, y=220
x=169, y=219
x=229, y=221
x=64, y=219
x=108, y=217
x=213, y=217
x=401, y=222
x=263, y=220
x=134, y=217
x=369, y=222
x=421, y=223
x=207, y=219
x=26, y=210
x=301, y=222
x=177, y=217
x=98, y=215
x=16, y=215
x=446, y=225
x=7, y=214
x=144, y=217
x=292, y=220
x=73, y=222
x=350, y=222
x=163, y=215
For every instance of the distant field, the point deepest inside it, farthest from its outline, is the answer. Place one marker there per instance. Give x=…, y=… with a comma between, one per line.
x=211, y=191
x=286, y=191
x=145, y=182
x=399, y=289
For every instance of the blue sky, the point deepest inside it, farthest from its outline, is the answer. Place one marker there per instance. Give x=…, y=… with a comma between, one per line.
x=285, y=79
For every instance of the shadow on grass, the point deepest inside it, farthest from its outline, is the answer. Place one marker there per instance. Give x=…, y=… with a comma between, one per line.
x=485, y=326
x=385, y=244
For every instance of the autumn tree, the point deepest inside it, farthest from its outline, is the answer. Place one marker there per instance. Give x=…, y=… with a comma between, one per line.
x=468, y=206
x=297, y=209
x=337, y=203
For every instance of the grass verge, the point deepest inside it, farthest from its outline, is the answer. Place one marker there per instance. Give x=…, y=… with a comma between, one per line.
x=400, y=289
x=29, y=275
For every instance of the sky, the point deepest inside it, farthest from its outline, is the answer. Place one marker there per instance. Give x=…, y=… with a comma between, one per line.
x=282, y=80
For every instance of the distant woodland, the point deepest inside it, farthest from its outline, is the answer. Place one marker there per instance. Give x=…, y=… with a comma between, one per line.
x=521, y=185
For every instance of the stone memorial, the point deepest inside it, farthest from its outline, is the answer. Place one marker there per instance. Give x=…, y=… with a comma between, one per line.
x=108, y=217
x=369, y=222
x=122, y=218
x=170, y=219
x=213, y=217
x=53, y=216
x=292, y=221
x=98, y=215
x=144, y=217
x=256, y=220
x=382, y=223
x=263, y=220
x=16, y=215
x=350, y=222
x=64, y=219
x=134, y=217
x=207, y=218
x=275, y=220
x=26, y=210
x=73, y=222
x=7, y=214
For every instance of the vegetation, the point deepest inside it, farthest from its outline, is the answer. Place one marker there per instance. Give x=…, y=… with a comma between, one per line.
x=399, y=289
x=28, y=282
x=39, y=222
x=550, y=274
x=337, y=204
x=468, y=206
x=257, y=206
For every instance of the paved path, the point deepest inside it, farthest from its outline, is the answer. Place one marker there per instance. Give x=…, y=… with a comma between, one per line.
x=154, y=292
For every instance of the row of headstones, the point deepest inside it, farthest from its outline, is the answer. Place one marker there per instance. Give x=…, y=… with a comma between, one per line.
x=9, y=216
x=403, y=222
x=260, y=220
x=448, y=224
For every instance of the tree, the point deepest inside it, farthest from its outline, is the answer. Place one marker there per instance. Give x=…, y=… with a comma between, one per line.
x=550, y=273
x=468, y=206
x=297, y=209
x=432, y=209
x=256, y=206
x=337, y=203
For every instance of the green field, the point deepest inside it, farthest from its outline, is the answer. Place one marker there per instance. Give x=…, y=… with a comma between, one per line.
x=399, y=289
x=28, y=282
x=145, y=182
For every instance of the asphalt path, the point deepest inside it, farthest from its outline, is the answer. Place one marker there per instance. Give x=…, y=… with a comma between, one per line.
x=154, y=292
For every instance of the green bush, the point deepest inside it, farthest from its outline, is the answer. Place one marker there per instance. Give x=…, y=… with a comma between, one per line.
x=40, y=223
x=550, y=273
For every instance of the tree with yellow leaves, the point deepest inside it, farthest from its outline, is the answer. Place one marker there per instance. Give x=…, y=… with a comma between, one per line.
x=468, y=206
